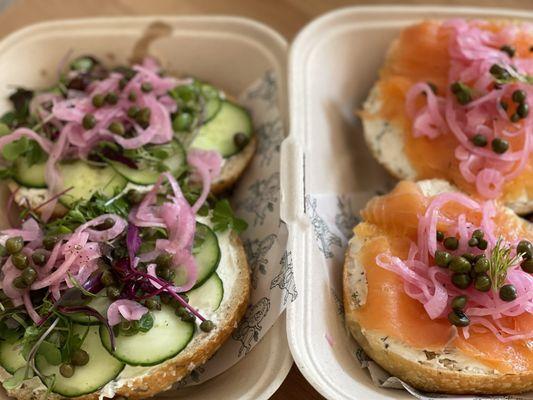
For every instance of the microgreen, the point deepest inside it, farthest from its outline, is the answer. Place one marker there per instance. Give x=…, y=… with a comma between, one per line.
x=223, y=218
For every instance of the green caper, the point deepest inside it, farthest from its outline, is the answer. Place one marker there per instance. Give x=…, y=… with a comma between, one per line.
x=473, y=242
x=451, y=243
x=470, y=257
x=111, y=98
x=499, y=72
x=164, y=260
x=482, y=244
x=458, y=318
x=98, y=100
x=166, y=298
x=89, y=121
x=442, y=258
x=67, y=370
x=184, y=297
x=153, y=304
x=29, y=275
x=14, y=244
x=478, y=234
x=107, y=278
x=126, y=325
x=527, y=266
x=132, y=96
x=143, y=117
x=440, y=236
x=19, y=260
x=482, y=283
x=459, y=302
x=39, y=257
x=525, y=248
x=185, y=92
x=79, y=358
x=134, y=196
x=3, y=251
x=113, y=292
x=207, y=325
x=133, y=111
x=460, y=265
x=182, y=122
x=181, y=312
x=515, y=117
x=117, y=128
x=163, y=273
x=482, y=265
x=19, y=283
x=107, y=223
x=522, y=110
x=510, y=50
x=50, y=241
x=479, y=140
x=518, y=96
x=462, y=281
x=499, y=145
x=146, y=87
x=508, y=292
x=240, y=140
x=463, y=97
x=189, y=317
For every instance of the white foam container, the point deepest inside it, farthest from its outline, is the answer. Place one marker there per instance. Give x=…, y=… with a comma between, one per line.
x=332, y=65
x=229, y=52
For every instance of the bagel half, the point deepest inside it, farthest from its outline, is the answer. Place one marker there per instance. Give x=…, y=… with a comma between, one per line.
x=144, y=382
x=446, y=371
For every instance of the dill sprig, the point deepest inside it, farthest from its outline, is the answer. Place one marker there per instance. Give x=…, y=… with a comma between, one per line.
x=500, y=261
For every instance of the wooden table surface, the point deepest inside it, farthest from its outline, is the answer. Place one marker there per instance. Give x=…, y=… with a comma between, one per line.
x=286, y=16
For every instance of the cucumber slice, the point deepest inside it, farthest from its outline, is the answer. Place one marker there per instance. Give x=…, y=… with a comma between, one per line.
x=206, y=252
x=208, y=296
x=85, y=180
x=213, y=102
x=100, y=304
x=101, y=368
x=219, y=133
x=29, y=176
x=168, y=337
x=11, y=356
x=146, y=174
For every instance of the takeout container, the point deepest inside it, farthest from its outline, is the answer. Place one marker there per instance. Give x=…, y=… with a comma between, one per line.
x=229, y=52
x=333, y=63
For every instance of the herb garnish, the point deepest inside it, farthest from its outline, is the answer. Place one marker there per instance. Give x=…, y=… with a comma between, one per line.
x=500, y=261
x=223, y=218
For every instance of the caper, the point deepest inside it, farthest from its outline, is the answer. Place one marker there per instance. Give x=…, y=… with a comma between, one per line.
x=460, y=265
x=478, y=234
x=98, y=100
x=3, y=251
x=462, y=281
x=153, y=304
x=181, y=312
x=14, y=244
x=88, y=121
x=459, y=302
x=440, y=236
x=146, y=87
x=458, y=318
x=134, y=196
x=19, y=283
x=482, y=265
x=166, y=298
x=443, y=258
x=125, y=325
x=79, y=358
x=510, y=50
x=189, y=317
x=470, y=257
x=29, y=275
x=143, y=117
x=482, y=244
x=479, y=140
x=473, y=242
x=451, y=243
x=518, y=96
x=184, y=297
x=164, y=260
x=107, y=223
x=107, y=278
x=508, y=292
x=39, y=257
x=463, y=97
x=163, y=273
x=111, y=98
x=482, y=283
x=133, y=111
x=515, y=118
x=499, y=145
x=207, y=325
x=113, y=292
x=50, y=241
x=67, y=370
x=522, y=110
x=499, y=72
x=527, y=266
x=240, y=140
x=19, y=260
x=182, y=122
x=117, y=128
x=132, y=96
x=525, y=248
x=185, y=92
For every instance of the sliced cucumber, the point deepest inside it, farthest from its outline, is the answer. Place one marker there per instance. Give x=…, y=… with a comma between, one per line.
x=85, y=180
x=100, y=369
x=29, y=176
x=11, y=356
x=168, y=337
x=208, y=296
x=218, y=134
x=100, y=304
x=206, y=252
x=146, y=174
x=213, y=102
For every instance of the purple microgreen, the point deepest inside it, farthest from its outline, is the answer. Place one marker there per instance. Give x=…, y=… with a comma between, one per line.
x=133, y=242
x=91, y=312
